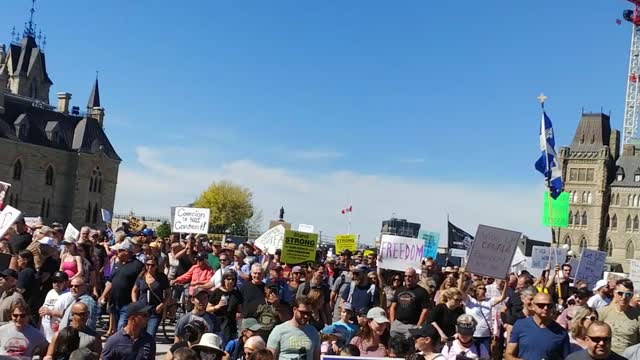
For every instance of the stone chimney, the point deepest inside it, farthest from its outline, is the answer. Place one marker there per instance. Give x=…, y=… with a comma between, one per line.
x=63, y=102
x=98, y=114
x=628, y=150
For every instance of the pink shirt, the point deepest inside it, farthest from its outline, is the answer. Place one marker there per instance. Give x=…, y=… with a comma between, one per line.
x=368, y=350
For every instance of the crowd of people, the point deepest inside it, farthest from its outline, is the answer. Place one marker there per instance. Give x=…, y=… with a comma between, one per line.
x=241, y=303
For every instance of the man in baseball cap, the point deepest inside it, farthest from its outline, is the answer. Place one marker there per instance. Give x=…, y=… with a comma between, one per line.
x=10, y=295
x=602, y=296
x=121, y=344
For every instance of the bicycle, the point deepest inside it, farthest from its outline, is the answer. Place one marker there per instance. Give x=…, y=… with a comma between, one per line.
x=175, y=309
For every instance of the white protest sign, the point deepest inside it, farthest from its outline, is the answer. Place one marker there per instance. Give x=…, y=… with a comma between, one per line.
x=634, y=272
x=459, y=253
x=106, y=216
x=71, y=233
x=33, y=222
x=590, y=266
x=271, y=240
x=4, y=187
x=492, y=251
x=399, y=253
x=540, y=256
x=7, y=217
x=191, y=220
x=305, y=228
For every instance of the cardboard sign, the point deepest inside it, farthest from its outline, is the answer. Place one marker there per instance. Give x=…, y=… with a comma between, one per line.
x=492, y=251
x=399, y=252
x=33, y=222
x=346, y=242
x=71, y=233
x=271, y=240
x=305, y=228
x=559, y=209
x=634, y=272
x=590, y=266
x=431, y=240
x=106, y=216
x=540, y=256
x=299, y=247
x=191, y=220
x=7, y=217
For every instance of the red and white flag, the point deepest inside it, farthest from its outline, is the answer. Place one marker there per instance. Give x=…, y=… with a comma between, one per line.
x=346, y=210
x=4, y=187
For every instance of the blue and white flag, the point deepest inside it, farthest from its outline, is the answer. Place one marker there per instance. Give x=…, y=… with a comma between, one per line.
x=547, y=164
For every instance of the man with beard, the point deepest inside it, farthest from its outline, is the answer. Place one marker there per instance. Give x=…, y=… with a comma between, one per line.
x=409, y=307
x=50, y=323
x=296, y=339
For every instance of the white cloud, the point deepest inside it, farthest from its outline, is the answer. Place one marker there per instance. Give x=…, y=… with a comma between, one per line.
x=154, y=183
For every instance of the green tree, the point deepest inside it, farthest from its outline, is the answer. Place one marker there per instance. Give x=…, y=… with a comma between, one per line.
x=231, y=207
x=163, y=230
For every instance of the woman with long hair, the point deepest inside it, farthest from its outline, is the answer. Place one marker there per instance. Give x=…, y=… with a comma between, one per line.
x=390, y=289
x=443, y=316
x=70, y=261
x=448, y=282
x=225, y=302
x=373, y=335
x=152, y=288
x=582, y=317
x=318, y=319
x=64, y=343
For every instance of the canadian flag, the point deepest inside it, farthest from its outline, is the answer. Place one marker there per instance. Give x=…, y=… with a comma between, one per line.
x=346, y=210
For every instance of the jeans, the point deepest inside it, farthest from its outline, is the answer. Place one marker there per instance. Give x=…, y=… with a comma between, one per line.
x=119, y=316
x=486, y=341
x=154, y=323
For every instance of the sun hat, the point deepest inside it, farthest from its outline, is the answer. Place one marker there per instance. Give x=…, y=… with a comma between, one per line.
x=209, y=341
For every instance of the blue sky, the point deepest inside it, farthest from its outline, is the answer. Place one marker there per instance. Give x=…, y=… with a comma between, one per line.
x=416, y=108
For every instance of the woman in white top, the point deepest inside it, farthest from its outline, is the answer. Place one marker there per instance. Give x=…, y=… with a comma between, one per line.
x=478, y=305
x=464, y=346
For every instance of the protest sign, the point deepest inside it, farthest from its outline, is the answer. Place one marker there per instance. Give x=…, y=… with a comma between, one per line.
x=4, y=187
x=540, y=256
x=305, y=228
x=634, y=272
x=431, y=240
x=106, y=216
x=7, y=217
x=71, y=233
x=236, y=239
x=614, y=276
x=299, y=247
x=574, y=266
x=33, y=222
x=559, y=210
x=345, y=242
x=590, y=266
x=399, y=252
x=271, y=240
x=191, y=220
x=459, y=253
x=492, y=251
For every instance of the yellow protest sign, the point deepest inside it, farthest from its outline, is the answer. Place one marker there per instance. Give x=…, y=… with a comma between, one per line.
x=345, y=242
x=299, y=247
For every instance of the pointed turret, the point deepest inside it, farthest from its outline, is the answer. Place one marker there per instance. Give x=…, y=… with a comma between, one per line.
x=94, y=99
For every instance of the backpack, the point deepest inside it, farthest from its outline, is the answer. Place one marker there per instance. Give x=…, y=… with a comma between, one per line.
x=371, y=291
x=267, y=316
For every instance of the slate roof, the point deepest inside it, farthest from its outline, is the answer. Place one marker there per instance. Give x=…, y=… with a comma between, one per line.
x=94, y=99
x=593, y=132
x=628, y=165
x=75, y=133
x=24, y=56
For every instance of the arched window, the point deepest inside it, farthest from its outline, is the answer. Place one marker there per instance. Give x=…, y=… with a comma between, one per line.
x=589, y=197
x=636, y=223
x=628, y=224
x=607, y=221
x=614, y=222
x=17, y=170
x=48, y=177
x=95, y=183
x=584, y=197
x=570, y=218
x=100, y=184
x=576, y=219
x=629, y=200
x=87, y=215
x=584, y=218
x=609, y=247
x=91, y=184
x=630, y=251
x=617, y=199
x=583, y=244
x=94, y=216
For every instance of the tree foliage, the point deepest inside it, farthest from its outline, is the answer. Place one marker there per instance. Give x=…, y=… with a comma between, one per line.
x=163, y=230
x=231, y=207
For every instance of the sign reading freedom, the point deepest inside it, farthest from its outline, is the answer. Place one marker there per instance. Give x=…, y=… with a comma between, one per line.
x=299, y=247
x=399, y=253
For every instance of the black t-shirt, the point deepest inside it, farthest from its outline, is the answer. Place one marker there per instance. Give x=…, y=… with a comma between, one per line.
x=156, y=295
x=29, y=281
x=410, y=303
x=584, y=355
x=19, y=242
x=253, y=296
x=233, y=302
x=122, y=281
x=184, y=264
x=49, y=266
x=445, y=318
x=101, y=254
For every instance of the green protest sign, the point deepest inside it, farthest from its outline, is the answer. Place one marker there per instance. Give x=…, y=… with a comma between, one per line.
x=299, y=247
x=559, y=210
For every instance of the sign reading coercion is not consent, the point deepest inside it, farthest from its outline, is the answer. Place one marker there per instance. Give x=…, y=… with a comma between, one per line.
x=299, y=247
x=399, y=253
x=191, y=220
x=492, y=251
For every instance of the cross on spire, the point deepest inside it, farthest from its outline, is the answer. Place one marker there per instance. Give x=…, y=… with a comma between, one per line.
x=541, y=99
x=30, y=27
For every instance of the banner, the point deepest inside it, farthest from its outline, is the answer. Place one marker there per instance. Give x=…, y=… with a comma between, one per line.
x=399, y=253
x=306, y=228
x=492, y=251
x=299, y=247
x=71, y=233
x=590, y=266
x=431, y=240
x=345, y=242
x=540, y=256
x=559, y=208
x=271, y=240
x=106, y=216
x=8, y=216
x=459, y=239
x=4, y=188
x=33, y=222
x=191, y=220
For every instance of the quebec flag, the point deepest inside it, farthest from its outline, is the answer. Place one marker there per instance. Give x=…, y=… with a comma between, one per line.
x=547, y=164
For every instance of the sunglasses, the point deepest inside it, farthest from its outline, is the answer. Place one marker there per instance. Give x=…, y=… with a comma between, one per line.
x=19, y=316
x=544, y=305
x=74, y=286
x=591, y=317
x=598, y=339
x=626, y=294
x=221, y=259
x=305, y=313
x=149, y=264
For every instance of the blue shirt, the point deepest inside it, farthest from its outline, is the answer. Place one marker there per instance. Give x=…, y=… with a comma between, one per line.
x=121, y=346
x=346, y=331
x=535, y=343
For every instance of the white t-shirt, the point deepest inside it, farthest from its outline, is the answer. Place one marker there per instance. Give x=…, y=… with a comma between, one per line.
x=597, y=302
x=63, y=303
x=471, y=353
x=481, y=312
x=20, y=344
x=216, y=279
x=48, y=324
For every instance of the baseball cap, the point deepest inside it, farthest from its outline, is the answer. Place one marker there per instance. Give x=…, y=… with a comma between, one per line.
x=465, y=325
x=9, y=272
x=250, y=324
x=199, y=290
x=347, y=306
x=296, y=269
x=137, y=240
x=426, y=330
x=378, y=315
x=600, y=284
x=46, y=241
x=361, y=269
x=582, y=293
x=202, y=256
x=59, y=276
x=125, y=245
x=137, y=307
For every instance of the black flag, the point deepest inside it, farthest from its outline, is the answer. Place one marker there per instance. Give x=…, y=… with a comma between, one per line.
x=458, y=238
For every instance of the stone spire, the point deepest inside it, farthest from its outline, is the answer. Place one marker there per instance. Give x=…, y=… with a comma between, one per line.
x=94, y=99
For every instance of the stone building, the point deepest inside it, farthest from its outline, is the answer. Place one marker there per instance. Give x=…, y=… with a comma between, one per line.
x=60, y=163
x=604, y=190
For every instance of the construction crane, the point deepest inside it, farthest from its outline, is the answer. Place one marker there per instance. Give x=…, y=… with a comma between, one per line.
x=632, y=100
